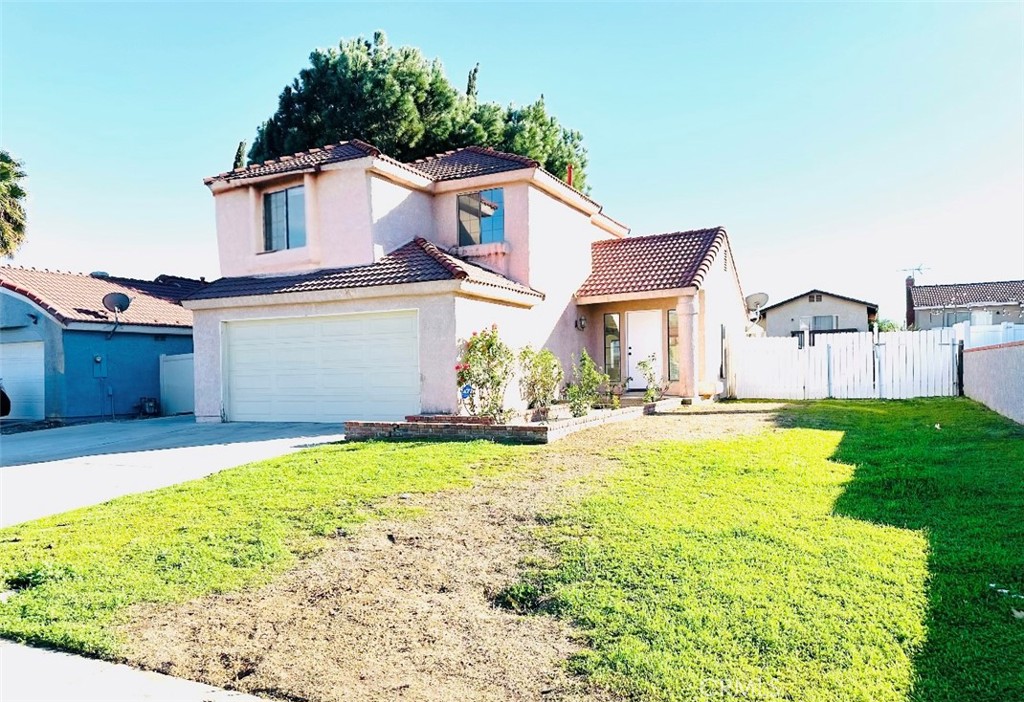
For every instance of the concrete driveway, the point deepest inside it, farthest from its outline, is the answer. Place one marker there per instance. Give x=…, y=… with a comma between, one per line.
x=54, y=470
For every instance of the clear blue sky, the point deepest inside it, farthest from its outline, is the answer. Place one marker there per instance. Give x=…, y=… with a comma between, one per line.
x=836, y=143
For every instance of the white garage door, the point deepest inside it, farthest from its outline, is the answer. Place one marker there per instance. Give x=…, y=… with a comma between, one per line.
x=21, y=371
x=323, y=369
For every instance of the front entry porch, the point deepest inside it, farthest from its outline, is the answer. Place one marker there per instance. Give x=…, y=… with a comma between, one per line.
x=627, y=332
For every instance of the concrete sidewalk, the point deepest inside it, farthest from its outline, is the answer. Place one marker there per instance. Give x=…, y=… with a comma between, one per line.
x=37, y=675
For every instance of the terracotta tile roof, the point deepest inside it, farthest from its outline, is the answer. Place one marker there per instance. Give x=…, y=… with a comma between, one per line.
x=964, y=294
x=655, y=262
x=76, y=297
x=419, y=261
x=462, y=163
x=303, y=160
x=471, y=161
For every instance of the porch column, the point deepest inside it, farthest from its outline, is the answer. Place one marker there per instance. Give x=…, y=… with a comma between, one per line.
x=686, y=309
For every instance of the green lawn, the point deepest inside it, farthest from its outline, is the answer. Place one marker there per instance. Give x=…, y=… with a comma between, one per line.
x=77, y=573
x=847, y=556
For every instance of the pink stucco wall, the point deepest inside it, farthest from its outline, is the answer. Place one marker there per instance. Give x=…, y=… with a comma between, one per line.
x=339, y=223
x=720, y=304
x=399, y=214
x=994, y=376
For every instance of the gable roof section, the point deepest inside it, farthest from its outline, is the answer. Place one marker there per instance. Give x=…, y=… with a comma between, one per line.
x=655, y=262
x=419, y=261
x=872, y=305
x=76, y=297
x=467, y=162
x=303, y=160
x=470, y=162
x=964, y=294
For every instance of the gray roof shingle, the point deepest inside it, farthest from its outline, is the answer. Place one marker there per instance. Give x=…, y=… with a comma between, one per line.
x=418, y=261
x=963, y=294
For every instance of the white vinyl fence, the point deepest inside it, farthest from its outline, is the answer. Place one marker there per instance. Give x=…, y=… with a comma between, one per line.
x=975, y=335
x=888, y=365
x=177, y=384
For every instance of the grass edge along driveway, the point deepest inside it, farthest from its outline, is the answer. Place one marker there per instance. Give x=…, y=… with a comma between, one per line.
x=75, y=574
x=846, y=556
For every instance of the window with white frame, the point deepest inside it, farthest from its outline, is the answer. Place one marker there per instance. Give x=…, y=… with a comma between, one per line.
x=284, y=219
x=814, y=298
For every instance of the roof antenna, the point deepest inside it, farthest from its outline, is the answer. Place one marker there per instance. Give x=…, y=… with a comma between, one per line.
x=919, y=268
x=117, y=303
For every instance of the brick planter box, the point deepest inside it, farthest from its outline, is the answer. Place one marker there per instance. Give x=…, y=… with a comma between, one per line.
x=460, y=428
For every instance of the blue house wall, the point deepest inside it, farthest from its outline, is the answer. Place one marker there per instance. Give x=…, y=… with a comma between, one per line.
x=109, y=376
x=21, y=321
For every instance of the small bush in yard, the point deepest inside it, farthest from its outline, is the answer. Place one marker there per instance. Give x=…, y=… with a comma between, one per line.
x=654, y=390
x=541, y=376
x=486, y=368
x=587, y=379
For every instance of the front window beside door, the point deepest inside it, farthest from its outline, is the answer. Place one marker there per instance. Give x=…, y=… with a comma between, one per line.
x=673, y=345
x=612, y=348
x=284, y=219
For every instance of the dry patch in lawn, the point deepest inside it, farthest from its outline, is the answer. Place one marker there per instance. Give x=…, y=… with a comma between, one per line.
x=402, y=609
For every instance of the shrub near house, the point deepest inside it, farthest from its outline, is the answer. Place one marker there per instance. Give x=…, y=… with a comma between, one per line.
x=484, y=374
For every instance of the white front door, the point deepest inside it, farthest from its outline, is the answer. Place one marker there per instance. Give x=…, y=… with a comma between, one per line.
x=323, y=369
x=643, y=339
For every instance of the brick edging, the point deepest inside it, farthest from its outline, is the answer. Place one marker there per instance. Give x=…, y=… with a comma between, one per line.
x=460, y=430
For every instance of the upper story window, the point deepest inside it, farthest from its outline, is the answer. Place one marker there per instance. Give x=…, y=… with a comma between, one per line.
x=284, y=219
x=814, y=298
x=482, y=217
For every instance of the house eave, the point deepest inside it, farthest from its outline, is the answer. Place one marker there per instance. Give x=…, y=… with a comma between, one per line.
x=635, y=296
x=243, y=181
x=970, y=305
x=128, y=328
x=462, y=287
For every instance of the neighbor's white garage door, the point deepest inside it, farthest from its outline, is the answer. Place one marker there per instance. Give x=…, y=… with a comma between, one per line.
x=21, y=371
x=323, y=369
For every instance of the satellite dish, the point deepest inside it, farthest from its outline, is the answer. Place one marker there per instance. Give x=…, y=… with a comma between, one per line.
x=116, y=302
x=756, y=301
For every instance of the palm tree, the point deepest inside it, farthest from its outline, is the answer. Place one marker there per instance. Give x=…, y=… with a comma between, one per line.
x=12, y=204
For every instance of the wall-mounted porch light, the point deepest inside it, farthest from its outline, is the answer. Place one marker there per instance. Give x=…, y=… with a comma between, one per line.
x=581, y=322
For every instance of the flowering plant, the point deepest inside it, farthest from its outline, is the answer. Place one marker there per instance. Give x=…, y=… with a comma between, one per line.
x=484, y=372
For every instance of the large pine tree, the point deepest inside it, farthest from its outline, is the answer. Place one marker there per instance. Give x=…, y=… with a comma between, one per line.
x=404, y=104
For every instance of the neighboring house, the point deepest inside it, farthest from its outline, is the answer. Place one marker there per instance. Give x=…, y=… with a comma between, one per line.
x=64, y=356
x=817, y=312
x=351, y=279
x=931, y=306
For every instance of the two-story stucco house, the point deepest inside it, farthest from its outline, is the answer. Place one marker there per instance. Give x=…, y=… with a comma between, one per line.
x=817, y=312
x=351, y=280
